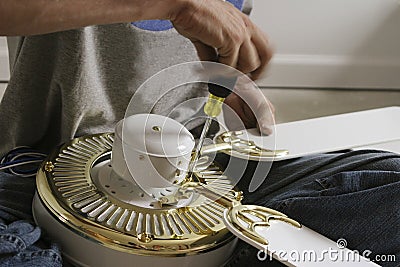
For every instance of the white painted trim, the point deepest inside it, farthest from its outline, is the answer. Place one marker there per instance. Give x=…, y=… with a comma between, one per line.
x=325, y=71
x=3, y=87
x=4, y=66
x=332, y=43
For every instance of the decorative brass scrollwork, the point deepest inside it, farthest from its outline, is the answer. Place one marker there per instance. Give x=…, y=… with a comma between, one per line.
x=245, y=218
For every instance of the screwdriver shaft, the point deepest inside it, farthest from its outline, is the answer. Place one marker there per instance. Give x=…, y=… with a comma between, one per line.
x=196, y=154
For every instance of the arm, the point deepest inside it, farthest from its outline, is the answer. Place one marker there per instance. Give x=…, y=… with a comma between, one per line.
x=26, y=17
x=217, y=29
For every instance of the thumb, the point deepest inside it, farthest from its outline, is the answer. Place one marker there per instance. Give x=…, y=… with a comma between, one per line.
x=266, y=119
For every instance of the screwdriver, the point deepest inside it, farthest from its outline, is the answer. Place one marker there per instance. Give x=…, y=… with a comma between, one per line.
x=219, y=88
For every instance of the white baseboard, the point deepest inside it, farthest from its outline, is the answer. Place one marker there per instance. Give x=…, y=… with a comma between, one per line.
x=311, y=71
x=3, y=87
x=321, y=71
x=4, y=66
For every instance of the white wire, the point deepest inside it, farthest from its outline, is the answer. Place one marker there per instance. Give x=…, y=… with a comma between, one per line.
x=32, y=157
x=22, y=175
x=28, y=154
x=33, y=154
x=20, y=164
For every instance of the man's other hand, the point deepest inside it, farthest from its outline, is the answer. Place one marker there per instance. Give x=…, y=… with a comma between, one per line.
x=247, y=107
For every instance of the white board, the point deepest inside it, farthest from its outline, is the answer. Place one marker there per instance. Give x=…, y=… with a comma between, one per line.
x=333, y=133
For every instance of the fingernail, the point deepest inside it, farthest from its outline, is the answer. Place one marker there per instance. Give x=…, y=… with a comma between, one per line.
x=266, y=129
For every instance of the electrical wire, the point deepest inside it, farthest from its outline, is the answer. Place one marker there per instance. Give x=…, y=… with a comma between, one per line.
x=22, y=161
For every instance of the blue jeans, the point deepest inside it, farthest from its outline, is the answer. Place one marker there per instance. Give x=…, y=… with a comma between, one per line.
x=353, y=195
x=21, y=243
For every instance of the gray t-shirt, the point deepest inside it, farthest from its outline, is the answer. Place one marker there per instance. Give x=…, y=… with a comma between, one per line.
x=79, y=82
x=76, y=82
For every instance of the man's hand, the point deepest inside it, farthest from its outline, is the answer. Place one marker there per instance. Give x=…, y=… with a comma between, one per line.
x=221, y=32
x=248, y=107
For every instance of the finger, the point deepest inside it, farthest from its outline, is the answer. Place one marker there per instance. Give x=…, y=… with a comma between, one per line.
x=233, y=38
x=244, y=83
x=249, y=118
x=229, y=55
x=258, y=109
x=265, y=118
x=242, y=110
x=264, y=50
x=249, y=60
x=205, y=52
x=271, y=107
x=233, y=113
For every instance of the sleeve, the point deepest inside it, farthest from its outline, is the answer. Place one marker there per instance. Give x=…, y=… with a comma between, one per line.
x=247, y=6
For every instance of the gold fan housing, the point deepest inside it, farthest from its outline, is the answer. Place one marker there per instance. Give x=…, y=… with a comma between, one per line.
x=100, y=219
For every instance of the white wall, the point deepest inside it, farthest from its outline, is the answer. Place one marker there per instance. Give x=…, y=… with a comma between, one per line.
x=332, y=43
x=323, y=43
x=4, y=67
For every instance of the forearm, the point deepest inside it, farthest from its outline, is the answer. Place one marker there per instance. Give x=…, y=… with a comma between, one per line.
x=27, y=17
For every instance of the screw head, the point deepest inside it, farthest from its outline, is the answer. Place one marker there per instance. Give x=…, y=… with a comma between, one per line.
x=156, y=128
x=145, y=237
x=49, y=166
